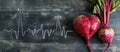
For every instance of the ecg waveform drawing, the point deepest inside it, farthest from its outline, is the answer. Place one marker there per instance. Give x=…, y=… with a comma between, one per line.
x=58, y=27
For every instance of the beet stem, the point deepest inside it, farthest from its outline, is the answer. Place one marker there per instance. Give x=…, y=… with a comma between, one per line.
x=107, y=47
x=88, y=45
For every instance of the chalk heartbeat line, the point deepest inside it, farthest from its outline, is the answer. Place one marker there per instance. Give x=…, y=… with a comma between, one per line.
x=41, y=30
x=38, y=31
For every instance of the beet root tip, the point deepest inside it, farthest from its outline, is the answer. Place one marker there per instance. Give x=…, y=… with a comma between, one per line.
x=88, y=46
x=108, y=46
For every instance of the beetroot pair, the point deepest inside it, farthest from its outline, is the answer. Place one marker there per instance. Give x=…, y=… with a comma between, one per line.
x=87, y=26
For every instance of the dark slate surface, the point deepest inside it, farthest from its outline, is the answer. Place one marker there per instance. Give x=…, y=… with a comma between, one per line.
x=46, y=26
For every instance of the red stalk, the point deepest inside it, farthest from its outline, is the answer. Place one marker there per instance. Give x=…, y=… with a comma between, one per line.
x=107, y=16
x=102, y=19
x=106, y=6
x=104, y=13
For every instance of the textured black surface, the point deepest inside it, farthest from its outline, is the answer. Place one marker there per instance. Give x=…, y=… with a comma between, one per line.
x=46, y=26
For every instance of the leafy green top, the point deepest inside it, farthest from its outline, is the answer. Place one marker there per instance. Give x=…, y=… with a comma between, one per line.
x=98, y=5
x=104, y=8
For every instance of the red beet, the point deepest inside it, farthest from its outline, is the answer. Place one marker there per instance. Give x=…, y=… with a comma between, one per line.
x=86, y=27
x=106, y=34
x=104, y=8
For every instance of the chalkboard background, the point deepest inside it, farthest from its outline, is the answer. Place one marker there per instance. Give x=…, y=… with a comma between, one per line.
x=46, y=26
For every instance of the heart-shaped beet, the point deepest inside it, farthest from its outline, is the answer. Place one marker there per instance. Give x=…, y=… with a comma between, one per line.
x=86, y=26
